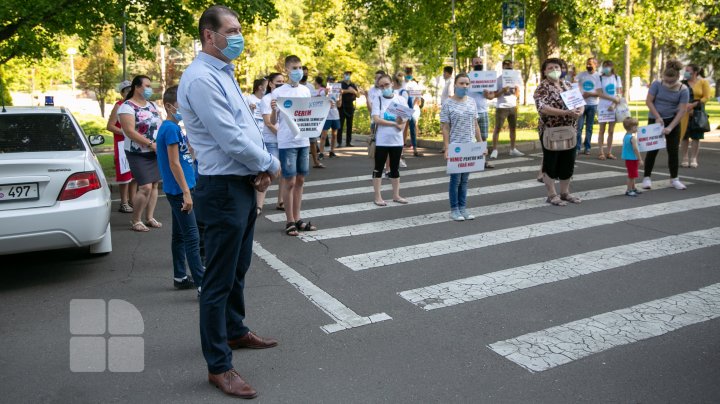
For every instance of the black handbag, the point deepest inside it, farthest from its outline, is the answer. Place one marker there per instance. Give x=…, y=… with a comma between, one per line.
x=699, y=121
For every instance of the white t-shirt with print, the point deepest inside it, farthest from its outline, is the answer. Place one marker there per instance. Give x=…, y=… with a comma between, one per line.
x=387, y=135
x=505, y=100
x=589, y=82
x=481, y=104
x=610, y=86
x=285, y=137
x=265, y=109
x=253, y=100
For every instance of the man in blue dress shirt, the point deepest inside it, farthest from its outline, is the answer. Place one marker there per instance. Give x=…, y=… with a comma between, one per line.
x=233, y=165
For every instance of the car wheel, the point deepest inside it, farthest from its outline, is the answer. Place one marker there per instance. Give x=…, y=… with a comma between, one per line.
x=104, y=246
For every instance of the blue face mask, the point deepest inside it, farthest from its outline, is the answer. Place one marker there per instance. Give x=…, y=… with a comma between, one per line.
x=387, y=92
x=687, y=75
x=461, y=91
x=177, y=116
x=408, y=77
x=347, y=77
x=235, y=46
x=606, y=70
x=295, y=75
x=147, y=93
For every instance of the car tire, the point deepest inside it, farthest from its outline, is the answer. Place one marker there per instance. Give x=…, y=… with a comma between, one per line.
x=104, y=246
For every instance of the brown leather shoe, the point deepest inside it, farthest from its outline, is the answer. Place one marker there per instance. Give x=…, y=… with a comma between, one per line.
x=232, y=384
x=250, y=340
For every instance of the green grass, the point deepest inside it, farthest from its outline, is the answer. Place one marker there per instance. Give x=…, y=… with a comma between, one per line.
x=108, y=165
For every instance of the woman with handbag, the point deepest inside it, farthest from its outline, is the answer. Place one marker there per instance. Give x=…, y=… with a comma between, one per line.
x=695, y=123
x=667, y=101
x=388, y=139
x=558, y=133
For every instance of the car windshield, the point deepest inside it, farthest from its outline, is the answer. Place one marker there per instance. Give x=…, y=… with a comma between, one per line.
x=20, y=133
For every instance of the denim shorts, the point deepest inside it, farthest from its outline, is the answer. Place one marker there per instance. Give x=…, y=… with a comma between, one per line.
x=273, y=149
x=295, y=161
x=331, y=124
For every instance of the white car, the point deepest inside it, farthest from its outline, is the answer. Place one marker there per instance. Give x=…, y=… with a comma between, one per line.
x=53, y=193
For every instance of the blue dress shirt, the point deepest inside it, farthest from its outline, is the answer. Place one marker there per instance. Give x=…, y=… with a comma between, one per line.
x=219, y=124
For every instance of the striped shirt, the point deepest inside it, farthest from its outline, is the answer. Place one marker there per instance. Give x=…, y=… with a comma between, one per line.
x=461, y=117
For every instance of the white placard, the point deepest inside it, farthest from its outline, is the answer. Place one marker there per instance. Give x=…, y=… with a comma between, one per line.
x=466, y=157
x=650, y=138
x=122, y=158
x=481, y=80
x=511, y=78
x=335, y=89
x=415, y=93
x=305, y=115
x=606, y=115
x=403, y=111
x=573, y=98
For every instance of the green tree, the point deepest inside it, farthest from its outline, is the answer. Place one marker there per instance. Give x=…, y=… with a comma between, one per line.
x=100, y=72
x=5, y=97
x=33, y=29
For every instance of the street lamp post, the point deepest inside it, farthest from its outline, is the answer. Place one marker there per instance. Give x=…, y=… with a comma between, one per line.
x=72, y=52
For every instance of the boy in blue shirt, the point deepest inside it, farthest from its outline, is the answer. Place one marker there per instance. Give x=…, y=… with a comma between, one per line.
x=176, y=168
x=631, y=155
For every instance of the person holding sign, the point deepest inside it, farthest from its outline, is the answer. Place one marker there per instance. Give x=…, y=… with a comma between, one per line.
x=631, y=155
x=388, y=140
x=588, y=83
x=294, y=151
x=481, y=105
x=269, y=133
x=557, y=164
x=610, y=92
x=507, y=95
x=459, y=125
x=667, y=101
x=332, y=123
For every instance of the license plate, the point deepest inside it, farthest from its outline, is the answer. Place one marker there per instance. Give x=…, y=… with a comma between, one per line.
x=14, y=192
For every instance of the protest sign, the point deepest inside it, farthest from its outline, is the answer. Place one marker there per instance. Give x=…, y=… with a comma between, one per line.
x=511, y=78
x=122, y=158
x=305, y=116
x=481, y=80
x=572, y=98
x=650, y=138
x=466, y=157
x=335, y=89
x=606, y=115
x=403, y=111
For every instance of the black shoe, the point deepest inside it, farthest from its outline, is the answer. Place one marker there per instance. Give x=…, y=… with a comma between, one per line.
x=321, y=156
x=186, y=283
x=332, y=155
x=348, y=145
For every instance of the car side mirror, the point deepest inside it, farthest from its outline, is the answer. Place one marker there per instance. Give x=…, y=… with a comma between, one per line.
x=96, y=140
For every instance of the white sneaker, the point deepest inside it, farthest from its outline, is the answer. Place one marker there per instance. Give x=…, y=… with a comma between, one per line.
x=494, y=154
x=402, y=163
x=516, y=153
x=677, y=184
x=466, y=215
x=456, y=216
x=647, y=183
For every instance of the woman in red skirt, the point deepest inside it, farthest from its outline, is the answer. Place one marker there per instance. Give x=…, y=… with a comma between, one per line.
x=124, y=180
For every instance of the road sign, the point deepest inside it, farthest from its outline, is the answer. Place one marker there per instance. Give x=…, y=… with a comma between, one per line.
x=513, y=22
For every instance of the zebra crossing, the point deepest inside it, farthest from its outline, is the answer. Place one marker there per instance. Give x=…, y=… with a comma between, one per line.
x=359, y=239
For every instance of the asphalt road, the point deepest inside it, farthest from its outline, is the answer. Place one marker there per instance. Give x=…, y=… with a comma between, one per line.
x=608, y=301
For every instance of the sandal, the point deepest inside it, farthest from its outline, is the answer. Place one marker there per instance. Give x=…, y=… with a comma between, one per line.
x=570, y=198
x=610, y=156
x=319, y=165
x=418, y=154
x=139, y=227
x=555, y=200
x=258, y=211
x=694, y=164
x=290, y=229
x=601, y=157
x=402, y=201
x=280, y=206
x=153, y=223
x=685, y=164
x=302, y=226
x=381, y=203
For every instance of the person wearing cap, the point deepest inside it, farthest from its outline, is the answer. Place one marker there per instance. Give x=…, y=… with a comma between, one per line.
x=124, y=180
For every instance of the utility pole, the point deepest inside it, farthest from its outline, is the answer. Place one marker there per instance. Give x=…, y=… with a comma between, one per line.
x=124, y=46
x=626, y=72
x=454, y=38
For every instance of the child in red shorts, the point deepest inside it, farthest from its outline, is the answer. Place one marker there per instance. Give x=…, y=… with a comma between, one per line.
x=631, y=155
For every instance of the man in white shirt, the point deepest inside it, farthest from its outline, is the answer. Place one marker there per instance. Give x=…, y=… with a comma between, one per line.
x=447, y=91
x=372, y=95
x=506, y=108
x=589, y=84
x=294, y=153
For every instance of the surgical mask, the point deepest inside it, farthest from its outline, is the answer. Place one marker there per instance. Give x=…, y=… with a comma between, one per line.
x=177, y=116
x=555, y=74
x=563, y=74
x=408, y=77
x=147, y=93
x=687, y=75
x=607, y=70
x=387, y=92
x=461, y=91
x=346, y=77
x=478, y=67
x=590, y=68
x=235, y=46
x=295, y=75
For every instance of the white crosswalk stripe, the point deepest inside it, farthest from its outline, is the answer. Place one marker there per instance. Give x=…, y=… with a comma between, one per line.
x=368, y=190
x=546, y=349
x=439, y=217
x=440, y=196
x=391, y=256
x=510, y=280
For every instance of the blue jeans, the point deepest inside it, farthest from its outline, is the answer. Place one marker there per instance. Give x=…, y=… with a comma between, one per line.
x=587, y=119
x=413, y=134
x=458, y=190
x=226, y=206
x=185, y=241
x=295, y=161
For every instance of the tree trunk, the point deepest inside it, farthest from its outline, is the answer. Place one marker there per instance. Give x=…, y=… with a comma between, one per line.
x=626, y=62
x=101, y=101
x=546, y=31
x=653, y=59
